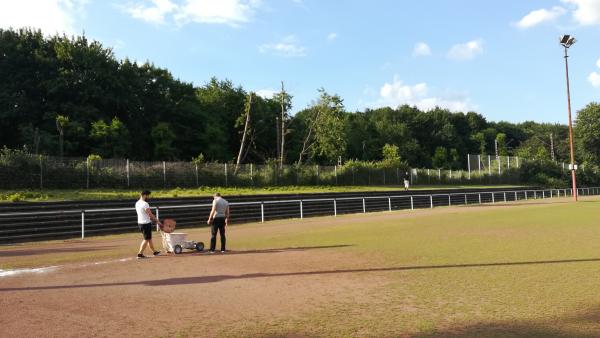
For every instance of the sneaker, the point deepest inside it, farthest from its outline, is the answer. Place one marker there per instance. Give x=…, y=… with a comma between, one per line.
x=156, y=253
x=141, y=256
x=211, y=252
x=222, y=251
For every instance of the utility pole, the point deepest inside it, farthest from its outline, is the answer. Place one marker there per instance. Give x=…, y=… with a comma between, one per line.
x=283, y=111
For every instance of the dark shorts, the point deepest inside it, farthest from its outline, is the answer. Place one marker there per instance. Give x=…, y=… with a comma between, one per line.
x=146, y=229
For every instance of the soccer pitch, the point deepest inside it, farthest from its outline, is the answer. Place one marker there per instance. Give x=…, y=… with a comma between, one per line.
x=524, y=269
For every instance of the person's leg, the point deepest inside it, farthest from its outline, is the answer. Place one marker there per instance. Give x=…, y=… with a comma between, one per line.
x=213, y=236
x=143, y=247
x=222, y=234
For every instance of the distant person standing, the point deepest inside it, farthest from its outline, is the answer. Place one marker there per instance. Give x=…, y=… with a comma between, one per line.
x=406, y=181
x=145, y=219
x=218, y=220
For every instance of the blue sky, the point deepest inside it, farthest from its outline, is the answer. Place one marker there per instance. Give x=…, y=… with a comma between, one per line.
x=499, y=58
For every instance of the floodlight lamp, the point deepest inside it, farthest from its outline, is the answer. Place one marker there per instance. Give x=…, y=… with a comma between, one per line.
x=567, y=40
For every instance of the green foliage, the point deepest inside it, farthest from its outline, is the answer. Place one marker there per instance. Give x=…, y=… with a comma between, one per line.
x=163, y=138
x=112, y=139
x=587, y=133
x=198, y=160
x=440, y=158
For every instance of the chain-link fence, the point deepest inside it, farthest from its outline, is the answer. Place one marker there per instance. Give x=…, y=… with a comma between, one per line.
x=43, y=172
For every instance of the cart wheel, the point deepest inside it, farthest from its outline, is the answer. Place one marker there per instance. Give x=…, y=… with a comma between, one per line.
x=177, y=249
x=199, y=246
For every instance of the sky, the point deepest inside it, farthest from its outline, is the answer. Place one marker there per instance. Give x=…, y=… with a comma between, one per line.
x=501, y=59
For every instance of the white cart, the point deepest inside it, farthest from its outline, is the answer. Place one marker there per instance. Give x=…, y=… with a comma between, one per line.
x=176, y=241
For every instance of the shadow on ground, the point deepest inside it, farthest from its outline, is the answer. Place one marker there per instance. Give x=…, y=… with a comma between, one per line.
x=221, y=278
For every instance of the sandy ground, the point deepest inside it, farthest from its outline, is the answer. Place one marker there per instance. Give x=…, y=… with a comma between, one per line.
x=112, y=294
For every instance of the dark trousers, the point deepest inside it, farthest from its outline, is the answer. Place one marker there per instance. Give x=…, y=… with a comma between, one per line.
x=217, y=224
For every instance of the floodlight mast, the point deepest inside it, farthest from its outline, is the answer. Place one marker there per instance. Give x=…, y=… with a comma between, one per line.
x=567, y=41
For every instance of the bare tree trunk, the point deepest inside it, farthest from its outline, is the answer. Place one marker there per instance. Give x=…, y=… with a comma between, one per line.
x=246, y=126
x=282, y=147
x=306, y=146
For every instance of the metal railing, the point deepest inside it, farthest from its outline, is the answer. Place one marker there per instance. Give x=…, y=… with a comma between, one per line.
x=343, y=205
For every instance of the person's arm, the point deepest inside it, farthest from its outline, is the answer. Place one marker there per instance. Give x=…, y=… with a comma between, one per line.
x=212, y=213
x=227, y=216
x=152, y=217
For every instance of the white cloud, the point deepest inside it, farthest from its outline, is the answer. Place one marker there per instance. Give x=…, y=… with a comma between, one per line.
x=598, y=63
x=594, y=79
x=332, y=36
x=266, y=93
x=397, y=93
x=155, y=13
x=466, y=51
x=50, y=16
x=230, y=12
x=421, y=49
x=539, y=16
x=288, y=47
x=587, y=12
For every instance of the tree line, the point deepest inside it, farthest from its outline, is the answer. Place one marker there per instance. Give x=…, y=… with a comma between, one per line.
x=70, y=96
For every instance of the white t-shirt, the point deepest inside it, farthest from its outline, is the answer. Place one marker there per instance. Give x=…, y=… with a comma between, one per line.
x=140, y=208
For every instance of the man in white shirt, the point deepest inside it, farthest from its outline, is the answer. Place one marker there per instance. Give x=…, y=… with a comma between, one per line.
x=218, y=218
x=145, y=220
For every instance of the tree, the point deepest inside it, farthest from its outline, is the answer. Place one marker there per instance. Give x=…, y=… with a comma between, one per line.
x=501, y=142
x=326, y=128
x=454, y=159
x=246, y=115
x=163, y=138
x=587, y=133
x=440, y=158
x=112, y=140
x=61, y=123
x=479, y=139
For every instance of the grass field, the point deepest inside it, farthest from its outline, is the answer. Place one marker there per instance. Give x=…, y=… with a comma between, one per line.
x=93, y=194
x=527, y=269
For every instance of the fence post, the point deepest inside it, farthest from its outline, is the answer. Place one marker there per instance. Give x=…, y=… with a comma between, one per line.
x=197, y=182
x=508, y=163
x=535, y=195
x=41, y=174
x=526, y=195
x=479, y=198
x=505, y=197
x=301, y=210
x=543, y=194
x=479, y=165
x=252, y=173
x=431, y=201
x=466, y=201
x=262, y=212
x=127, y=169
x=82, y=224
x=551, y=194
x=226, y=183
x=517, y=158
x=412, y=204
x=157, y=217
x=516, y=196
x=165, y=174
x=334, y=207
x=449, y=200
x=390, y=203
x=364, y=206
x=440, y=175
x=335, y=173
x=489, y=165
x=469, y=164
x=317, y=174
x=493, y=198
